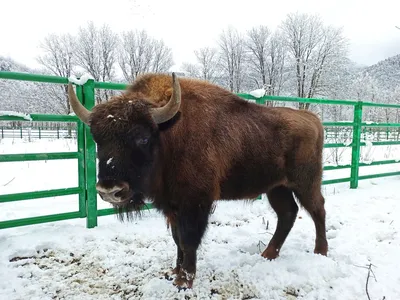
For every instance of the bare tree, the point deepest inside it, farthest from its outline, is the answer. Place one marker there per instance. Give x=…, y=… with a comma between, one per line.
x=208, y=60
x=366, y=88
x=59, y=56
x=96, y=51
x=139, y=53
x=207, y=66
x=135, y=53
x=58, y=59
x=276, y=64
x=96, y=54
x=233, y=57
x=266, y=59
x=192, y=70
x=314, y=48
x=162, y=57
x=257, y=43
x=108, y=52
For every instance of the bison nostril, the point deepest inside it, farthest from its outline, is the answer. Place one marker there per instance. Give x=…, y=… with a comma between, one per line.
x=116, y=192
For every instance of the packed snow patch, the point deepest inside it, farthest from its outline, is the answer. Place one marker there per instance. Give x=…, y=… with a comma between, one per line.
x=82, y=80
x=64, y=260
x=367, y=155
x=16, y=114
x=258, y=93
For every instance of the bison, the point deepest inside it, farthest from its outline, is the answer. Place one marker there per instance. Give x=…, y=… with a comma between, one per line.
x=183, y=144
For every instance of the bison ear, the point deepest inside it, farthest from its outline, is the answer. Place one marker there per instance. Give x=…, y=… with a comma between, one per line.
x=168, y=111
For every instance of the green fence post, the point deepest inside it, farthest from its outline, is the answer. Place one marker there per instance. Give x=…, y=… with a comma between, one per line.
x=356, y=145
x=90, y=160
x=260, y=101
x=80, y=135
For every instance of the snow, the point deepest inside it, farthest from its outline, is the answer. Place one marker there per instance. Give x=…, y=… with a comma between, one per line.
x=16, y=114
x=64, y=260
x=348, y=142
x=258, y=93
x=112, y=117
x=367, y=157
x=82, y=80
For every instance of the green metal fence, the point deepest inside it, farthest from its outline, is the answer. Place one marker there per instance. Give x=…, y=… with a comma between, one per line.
x=86, y=149
x=20, y=132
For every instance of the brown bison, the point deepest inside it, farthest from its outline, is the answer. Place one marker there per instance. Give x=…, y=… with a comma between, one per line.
x=184, y=144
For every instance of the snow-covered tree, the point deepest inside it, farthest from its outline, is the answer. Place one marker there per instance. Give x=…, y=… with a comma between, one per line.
x=266, y=58
x=208, y=60
x=25, y=96
x=192, y=70
x=59, y=55
x=314, y=48
x=233, y=58
x=140, y=53
x=59, y=59
x=96, y=53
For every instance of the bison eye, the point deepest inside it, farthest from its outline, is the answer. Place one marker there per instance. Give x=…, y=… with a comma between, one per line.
x=142, y=141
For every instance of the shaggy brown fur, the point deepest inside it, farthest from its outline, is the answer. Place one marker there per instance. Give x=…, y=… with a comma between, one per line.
x=218, y=146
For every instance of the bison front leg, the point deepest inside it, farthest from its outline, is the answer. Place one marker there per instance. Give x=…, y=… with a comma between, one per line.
x=179, y=254
x=192, y=223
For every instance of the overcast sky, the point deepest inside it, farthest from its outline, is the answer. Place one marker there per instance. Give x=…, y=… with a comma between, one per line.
x=188, y=25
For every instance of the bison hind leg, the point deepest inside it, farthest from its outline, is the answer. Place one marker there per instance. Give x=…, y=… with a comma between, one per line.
x=313, y=202
x=282, y=201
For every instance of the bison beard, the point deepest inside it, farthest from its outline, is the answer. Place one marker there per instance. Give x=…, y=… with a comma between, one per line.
x=132, y=208
x=205, y=144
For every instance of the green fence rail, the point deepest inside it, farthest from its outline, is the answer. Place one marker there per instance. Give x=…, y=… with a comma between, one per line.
x=31, y=132
x=86, y=149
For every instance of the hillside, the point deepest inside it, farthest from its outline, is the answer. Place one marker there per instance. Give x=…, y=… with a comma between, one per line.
x=8, y=64
x=28, y=97
x=386, y=73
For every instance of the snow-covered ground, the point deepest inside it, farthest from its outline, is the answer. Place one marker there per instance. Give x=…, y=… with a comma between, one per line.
x=64, y=260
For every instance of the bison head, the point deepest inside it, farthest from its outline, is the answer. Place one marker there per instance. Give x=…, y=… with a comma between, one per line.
x=125, y=130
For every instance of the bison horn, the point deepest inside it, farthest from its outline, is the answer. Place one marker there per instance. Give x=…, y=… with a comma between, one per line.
x=168, y=111
x=81, y=112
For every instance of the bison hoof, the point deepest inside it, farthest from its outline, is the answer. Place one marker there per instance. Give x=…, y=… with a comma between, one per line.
x=321, y=247
x=270, y=253
x=323, y=251
x=170, y=274
x=184, y=280
x=175, y=270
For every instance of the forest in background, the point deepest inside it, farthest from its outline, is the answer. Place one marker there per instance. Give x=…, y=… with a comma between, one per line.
x=303, y=57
